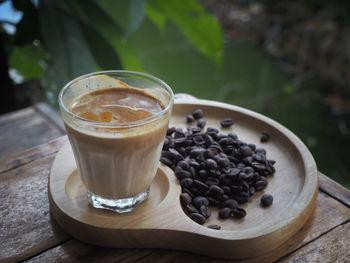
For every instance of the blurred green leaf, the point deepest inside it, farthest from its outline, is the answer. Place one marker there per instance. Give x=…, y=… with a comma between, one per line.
x=70, y=57
x=156, y=17
x=199, y=27
x=104, y=54
x=29, y=61
x=136, y=15
x=116, y=11
x=96, y=17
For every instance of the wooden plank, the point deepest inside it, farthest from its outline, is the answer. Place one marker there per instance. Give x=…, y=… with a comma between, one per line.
x=329, y=213
x=16, y=116
x=297, y=194
x=24, y=129
x=26, y=225
x=334, y=189
x=28, y=230
x=37, y=152
x=51, y=115
x=332, y=247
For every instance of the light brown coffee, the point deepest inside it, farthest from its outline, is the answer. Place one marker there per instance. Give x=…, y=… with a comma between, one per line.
x=117, y=162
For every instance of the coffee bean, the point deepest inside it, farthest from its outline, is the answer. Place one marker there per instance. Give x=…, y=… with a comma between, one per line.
x=205, y=211
x=201, y=123
x=269, y=169
x=185, y=190
x=224, y=212
x=246, y=151
x=184, y=165
x=233, y=135
x=258, y=166
x=240, y=198
x=230, y=203
x=213, y=179
x=260, y=150
x=238, y=213
x=176, y=155
x=170, y=131
x=260, y=185
x=194, y=164
x=189, y=118
x=247, y=160
x=203, y=174
x=242, y=176
x=236, y=189
x=265, y=136
x=197, y=153
x=179, y=133
x=251, y=190
x=233, y=172
x=199, y=141
x=181, y=150
x=191, y=209
x=272, y=162
x=226, y=123
x=211, y=164
x=186, y=182
x=215, y=227
x=198, y=218
x=185, y=199
x=216, y=147
x=223, y=162
x=259, y=157
x=227, y=189
x=200, y=185
x=266, y=200
x=195, y=191
x=214, y=169
x=253, y=146
x=166, y=143
x=240, y=143
x=181, y=174
x=225, y=181
x=193, y=171
x=248, y=170
x=180, y=141
x=216, y=190
x=212, y=130
x=208, y=139
x=200, y=200
x=166, y=161
x=210, y=153
x=197, y=114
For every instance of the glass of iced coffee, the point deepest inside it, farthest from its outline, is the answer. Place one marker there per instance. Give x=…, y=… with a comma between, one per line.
x=116, y=122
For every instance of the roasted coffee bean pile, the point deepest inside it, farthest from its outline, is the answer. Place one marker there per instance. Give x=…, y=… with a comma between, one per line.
x=215, y=169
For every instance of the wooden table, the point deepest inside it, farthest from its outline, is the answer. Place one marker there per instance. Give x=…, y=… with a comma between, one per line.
x=28, y=127
x=29, y=233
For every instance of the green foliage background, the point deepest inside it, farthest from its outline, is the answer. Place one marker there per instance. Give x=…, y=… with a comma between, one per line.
x=77, y=37
x=179, y=42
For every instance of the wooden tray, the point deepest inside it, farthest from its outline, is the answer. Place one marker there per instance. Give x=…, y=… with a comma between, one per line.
x=160, y=222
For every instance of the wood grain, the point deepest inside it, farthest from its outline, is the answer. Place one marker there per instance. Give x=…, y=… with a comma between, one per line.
x=23, y=129
x=50, y=115
x=16, y=160
x=334, y=189
x=321, y=222
x=28, y=231
x=332, y=247
x=294, y=185
x=26, y=225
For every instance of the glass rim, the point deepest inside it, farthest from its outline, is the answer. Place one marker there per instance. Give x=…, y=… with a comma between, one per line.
x=101, y=124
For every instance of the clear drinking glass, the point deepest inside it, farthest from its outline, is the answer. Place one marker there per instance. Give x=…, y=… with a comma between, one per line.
x=117, y=162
